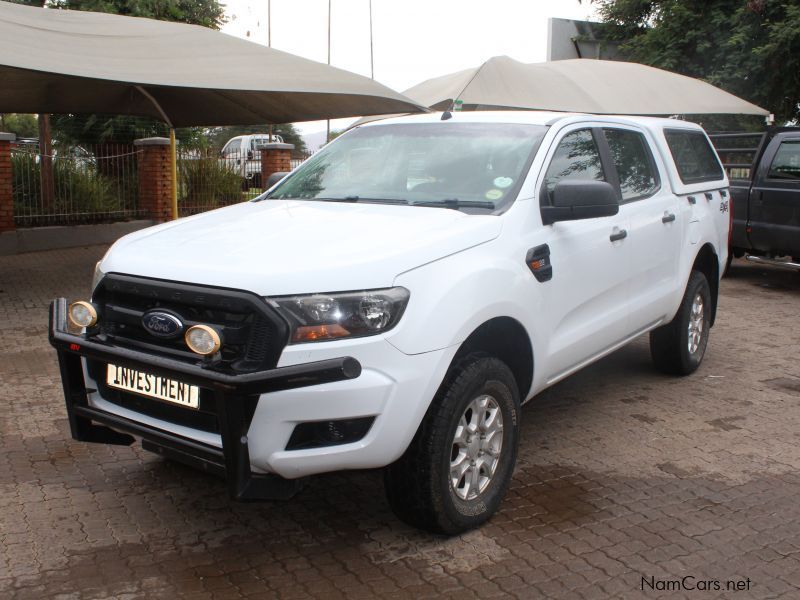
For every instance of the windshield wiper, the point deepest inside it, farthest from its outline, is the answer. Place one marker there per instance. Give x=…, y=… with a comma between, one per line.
x=361, y=199
x=455, y=203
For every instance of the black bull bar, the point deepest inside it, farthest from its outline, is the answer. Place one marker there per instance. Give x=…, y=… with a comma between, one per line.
x=235, y=398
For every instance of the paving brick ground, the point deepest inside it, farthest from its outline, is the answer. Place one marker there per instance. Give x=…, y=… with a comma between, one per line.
x=623, y=474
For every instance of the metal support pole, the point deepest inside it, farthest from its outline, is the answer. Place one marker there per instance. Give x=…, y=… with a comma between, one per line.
x=328, y=129
x=173, y=164
x=371, y=53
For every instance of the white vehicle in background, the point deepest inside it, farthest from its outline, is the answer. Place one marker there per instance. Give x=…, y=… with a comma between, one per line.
x=242, y=154
x=394, y=301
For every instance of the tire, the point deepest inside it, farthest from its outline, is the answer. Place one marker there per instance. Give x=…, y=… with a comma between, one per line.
x=670, y=345
x=418, y=485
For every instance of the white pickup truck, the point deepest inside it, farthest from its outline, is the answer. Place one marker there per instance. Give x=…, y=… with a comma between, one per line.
x=396, y=299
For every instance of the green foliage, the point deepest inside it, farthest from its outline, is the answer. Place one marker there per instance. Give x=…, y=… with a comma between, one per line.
x=748, y=48
x=91, y=129
x=80, y=191
x=208, y=13
x=206, y=183
x=25, y=126
x=218, y=136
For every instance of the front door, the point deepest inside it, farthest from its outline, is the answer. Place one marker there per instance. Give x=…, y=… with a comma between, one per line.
x=586, y=301
x=775, y=199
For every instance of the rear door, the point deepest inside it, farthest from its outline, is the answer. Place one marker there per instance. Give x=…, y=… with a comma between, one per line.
x=653, y=228
x=775, y=198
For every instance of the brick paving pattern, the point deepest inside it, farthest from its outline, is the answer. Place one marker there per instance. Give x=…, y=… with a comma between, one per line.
x=623, y=473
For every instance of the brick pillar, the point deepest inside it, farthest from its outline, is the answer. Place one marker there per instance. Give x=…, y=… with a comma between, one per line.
x=6, y=198
x=155, y=178
x=275, y=158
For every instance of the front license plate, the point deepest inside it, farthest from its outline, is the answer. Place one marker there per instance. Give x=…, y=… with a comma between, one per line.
x=153, y=386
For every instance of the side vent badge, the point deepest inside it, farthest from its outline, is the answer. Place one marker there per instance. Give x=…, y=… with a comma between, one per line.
x=538, y=261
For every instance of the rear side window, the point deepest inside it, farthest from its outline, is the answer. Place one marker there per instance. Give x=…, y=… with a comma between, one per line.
x=634, y=163
x=786, y=164
x=693, y=155
x=576, y=157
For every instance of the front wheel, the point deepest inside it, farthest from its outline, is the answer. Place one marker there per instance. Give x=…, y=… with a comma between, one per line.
x=458, y=467
x=678, y=347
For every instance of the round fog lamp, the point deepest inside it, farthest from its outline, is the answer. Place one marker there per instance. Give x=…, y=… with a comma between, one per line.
x=202, y=339
x=82, y=314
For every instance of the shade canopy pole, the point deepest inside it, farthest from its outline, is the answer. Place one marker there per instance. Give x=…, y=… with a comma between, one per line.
x=173, y=158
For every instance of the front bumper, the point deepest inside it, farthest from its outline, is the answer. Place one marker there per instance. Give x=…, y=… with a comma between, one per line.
x=235, y=396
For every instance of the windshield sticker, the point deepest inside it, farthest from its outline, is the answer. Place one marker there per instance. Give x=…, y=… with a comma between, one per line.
x=494, y=194
x=503, y=182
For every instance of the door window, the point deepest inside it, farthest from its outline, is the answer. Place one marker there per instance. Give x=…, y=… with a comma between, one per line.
x=634, y=163
x=786, y=164
x=576, y=157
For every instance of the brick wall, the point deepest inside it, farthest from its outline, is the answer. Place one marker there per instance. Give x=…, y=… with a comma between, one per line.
x=275, y=158
x=6, y=198
x=155, y=178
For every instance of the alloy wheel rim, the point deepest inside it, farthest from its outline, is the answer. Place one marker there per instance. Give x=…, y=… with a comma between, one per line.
x=696, y=324
x=476, y=448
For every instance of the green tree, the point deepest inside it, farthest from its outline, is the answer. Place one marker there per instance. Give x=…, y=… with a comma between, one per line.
x=750, y=48
x=24, y=126
x=208, y=13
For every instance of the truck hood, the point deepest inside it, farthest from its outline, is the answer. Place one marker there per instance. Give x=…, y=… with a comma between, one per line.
x=281, y=247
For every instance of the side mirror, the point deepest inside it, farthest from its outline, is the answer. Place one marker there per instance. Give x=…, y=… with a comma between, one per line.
x=275, y=178
x=581, y=199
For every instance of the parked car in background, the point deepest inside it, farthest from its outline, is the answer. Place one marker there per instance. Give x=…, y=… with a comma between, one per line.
x=764, y=172
x=242, y=154
x=394, y=300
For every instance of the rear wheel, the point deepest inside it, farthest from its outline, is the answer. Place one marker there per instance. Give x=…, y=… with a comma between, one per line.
x=678, y=347
x=457, y=468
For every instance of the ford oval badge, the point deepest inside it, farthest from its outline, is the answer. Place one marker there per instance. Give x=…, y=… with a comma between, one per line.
x=162, y=324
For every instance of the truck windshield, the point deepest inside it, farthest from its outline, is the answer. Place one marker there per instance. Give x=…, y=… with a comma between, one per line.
x=475, y=167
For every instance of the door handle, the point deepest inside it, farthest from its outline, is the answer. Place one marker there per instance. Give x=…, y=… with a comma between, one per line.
x=618, y=235
x=668, y=218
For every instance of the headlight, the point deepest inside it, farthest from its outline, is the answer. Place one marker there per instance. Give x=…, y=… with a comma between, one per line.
x=321, y=317
x=98, y=275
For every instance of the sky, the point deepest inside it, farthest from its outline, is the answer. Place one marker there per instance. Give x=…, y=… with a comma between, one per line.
x=413, y=40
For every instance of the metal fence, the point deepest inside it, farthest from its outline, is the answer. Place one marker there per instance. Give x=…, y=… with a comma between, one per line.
x=73, y=184
x=98, y=183
x=208, y=180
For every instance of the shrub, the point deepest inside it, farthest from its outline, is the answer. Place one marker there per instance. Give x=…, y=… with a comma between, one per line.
x=206, y=183
x=80, y=193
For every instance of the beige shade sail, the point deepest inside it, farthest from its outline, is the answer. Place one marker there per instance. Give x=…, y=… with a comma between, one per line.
x=60, y=61
x=579, y=85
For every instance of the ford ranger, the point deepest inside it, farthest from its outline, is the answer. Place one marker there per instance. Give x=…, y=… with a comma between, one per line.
x=395, y=300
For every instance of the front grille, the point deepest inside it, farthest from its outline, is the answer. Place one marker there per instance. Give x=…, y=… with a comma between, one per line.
x=253, y=334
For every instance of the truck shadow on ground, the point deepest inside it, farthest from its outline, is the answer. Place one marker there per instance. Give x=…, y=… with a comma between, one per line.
x=776, y=278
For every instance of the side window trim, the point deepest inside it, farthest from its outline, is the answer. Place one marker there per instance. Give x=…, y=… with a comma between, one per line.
x=650, y=160
x=609, y=169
